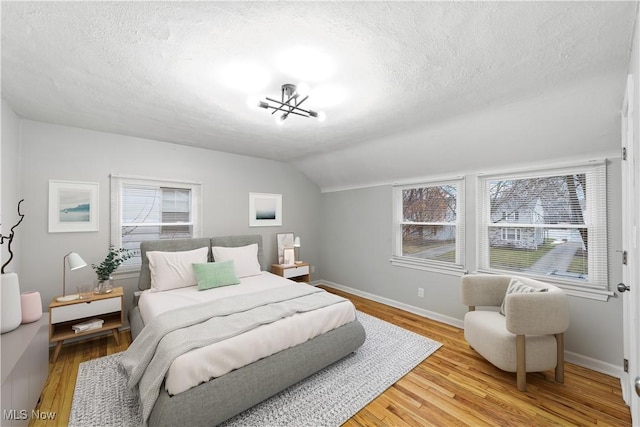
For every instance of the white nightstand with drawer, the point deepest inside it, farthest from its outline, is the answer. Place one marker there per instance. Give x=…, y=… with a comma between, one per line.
x=298, y=272
x=63, y=315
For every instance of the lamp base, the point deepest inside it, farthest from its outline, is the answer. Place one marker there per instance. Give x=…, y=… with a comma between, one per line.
x=67, y=298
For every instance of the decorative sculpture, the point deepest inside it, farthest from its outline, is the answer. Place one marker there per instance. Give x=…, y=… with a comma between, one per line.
x=10, y=301
x=10, y=238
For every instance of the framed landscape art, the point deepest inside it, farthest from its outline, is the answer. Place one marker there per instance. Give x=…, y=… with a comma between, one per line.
x=265, y=210
x=73, y=206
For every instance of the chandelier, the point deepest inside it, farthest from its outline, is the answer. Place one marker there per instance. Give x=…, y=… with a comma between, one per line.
x=291, y=98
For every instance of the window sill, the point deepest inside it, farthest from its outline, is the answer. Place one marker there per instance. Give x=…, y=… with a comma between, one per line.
x=453, y=270
x=570, y=288
x=122, y=274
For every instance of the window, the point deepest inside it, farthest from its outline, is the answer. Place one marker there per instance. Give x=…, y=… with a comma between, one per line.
x=429, y=225
x=511, y=234
x=152, y=209
x=176, y=209
x=549, y=224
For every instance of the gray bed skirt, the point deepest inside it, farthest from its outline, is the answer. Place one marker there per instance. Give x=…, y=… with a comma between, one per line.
x=215, y=401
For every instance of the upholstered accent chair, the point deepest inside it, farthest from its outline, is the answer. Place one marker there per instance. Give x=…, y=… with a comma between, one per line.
x=529, y=336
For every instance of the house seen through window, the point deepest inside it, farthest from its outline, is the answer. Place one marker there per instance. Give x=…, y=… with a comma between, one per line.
x=546, y=224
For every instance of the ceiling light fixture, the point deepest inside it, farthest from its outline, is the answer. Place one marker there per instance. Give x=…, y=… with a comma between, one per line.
x=290, y=101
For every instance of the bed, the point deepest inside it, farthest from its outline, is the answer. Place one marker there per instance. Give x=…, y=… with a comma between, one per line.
x=215, y=400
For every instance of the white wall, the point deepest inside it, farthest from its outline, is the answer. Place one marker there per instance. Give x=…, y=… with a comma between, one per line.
x=357, y=246
x=66, y=153
x=10, y=188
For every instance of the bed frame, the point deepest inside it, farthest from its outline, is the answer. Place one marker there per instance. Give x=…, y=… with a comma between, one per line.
x=217, y=400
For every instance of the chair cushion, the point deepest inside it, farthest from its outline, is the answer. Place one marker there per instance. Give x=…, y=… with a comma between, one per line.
x=487, y=333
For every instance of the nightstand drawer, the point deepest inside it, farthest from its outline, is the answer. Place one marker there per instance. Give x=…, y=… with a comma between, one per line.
x=86, y=309
x=296, y=271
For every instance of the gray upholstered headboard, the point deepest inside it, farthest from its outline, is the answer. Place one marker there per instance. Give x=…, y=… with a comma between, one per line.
x=177, y=245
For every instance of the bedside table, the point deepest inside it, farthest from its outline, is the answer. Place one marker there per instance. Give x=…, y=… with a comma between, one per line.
x=63, y=315
x=297, y=272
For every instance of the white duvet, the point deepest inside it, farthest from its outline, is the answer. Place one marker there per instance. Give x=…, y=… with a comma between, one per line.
x=212, y=361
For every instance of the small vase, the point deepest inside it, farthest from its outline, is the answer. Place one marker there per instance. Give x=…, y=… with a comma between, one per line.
x=10, y=299
x=104, y=286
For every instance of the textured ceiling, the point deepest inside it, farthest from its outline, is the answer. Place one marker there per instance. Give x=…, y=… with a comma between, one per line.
x=386, y=70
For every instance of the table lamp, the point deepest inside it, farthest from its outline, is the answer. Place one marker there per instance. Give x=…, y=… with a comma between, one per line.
x=74, y=261
x=296, y=246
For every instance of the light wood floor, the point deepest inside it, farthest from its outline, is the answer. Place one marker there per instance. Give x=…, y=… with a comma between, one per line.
x=452, y=387
x=57, y=394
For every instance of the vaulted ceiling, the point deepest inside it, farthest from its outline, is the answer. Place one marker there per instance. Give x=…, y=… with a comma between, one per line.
x=409, y=88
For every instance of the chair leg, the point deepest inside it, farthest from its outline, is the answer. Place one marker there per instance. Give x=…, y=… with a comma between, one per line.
x=560, y=358
x=521, y=363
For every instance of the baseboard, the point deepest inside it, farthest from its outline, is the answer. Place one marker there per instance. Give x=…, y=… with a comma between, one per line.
x=396, y=304
x=594, y=364
x=575, y=358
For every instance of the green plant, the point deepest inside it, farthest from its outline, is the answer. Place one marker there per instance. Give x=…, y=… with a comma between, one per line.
x=114, y=258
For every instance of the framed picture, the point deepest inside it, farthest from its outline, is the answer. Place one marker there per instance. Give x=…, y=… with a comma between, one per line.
x=289, y=256
x=265, y=210
x=73, y=206
x=285, y=240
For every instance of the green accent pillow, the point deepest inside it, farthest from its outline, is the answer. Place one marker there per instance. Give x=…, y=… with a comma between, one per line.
x=215, y=274
x=517, y=287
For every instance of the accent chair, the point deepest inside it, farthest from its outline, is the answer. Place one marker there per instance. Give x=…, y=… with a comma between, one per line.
x=529, y=336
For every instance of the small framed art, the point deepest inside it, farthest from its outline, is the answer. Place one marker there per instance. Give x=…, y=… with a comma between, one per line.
x=284, y=240
x=265, y=210
x=289, y=256
x=73, y=206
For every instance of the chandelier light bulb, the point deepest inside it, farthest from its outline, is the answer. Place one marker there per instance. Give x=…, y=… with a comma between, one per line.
x=321, y=116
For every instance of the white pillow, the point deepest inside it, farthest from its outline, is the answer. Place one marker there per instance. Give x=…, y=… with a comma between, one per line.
x=245, y=258
x=517, y=287
x=171, y=270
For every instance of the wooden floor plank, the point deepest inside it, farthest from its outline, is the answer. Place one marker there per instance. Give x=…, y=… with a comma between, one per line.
x=454, y=386
x=456, y=376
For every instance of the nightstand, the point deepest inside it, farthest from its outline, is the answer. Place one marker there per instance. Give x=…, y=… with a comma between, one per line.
x=63, y=315
x=297, y=272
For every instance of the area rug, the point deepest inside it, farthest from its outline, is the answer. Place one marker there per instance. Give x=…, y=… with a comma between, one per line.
x=327, y=398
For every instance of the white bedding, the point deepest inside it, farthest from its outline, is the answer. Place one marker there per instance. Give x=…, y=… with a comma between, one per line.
x=217, y=359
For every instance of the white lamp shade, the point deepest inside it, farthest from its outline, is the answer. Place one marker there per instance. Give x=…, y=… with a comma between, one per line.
x=75, y=261
x=296, y=242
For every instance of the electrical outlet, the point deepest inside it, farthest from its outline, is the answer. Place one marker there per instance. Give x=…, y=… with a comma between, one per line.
x=421, y=292
x=313, y=269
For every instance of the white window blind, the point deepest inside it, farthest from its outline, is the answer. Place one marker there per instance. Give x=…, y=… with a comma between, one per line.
x=560, y=216
x=152, y=209
x=429, y=225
